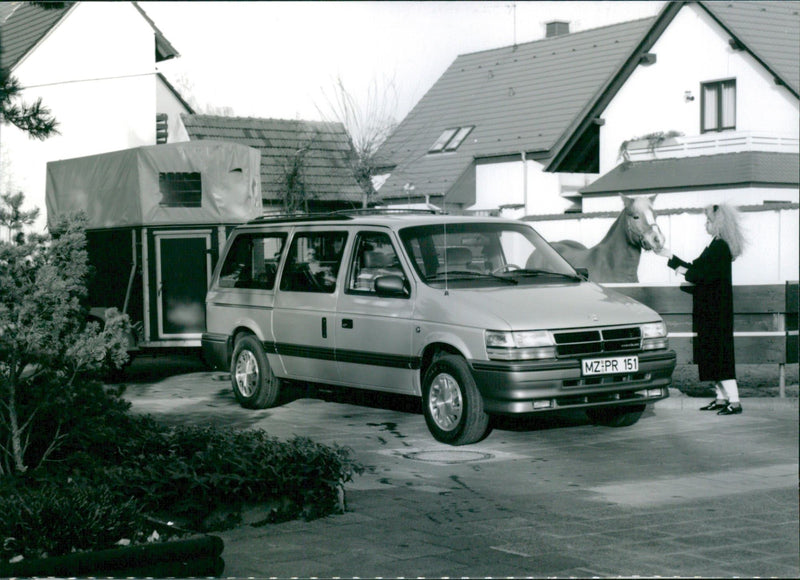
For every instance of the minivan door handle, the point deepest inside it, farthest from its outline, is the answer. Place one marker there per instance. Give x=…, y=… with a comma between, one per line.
x=347, y=323
x=324, y=327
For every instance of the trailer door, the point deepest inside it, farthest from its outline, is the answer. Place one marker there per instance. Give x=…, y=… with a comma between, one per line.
x=183, y=272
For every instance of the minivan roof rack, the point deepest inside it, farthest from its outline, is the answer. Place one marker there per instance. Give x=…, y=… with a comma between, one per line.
x=281, y=217
x=291, y=217
x=387, y=211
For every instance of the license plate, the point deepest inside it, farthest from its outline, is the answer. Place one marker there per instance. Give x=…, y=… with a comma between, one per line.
x=610, y=365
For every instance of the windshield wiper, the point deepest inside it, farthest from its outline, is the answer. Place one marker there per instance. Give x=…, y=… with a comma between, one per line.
x=533, y=272
x=461, y=274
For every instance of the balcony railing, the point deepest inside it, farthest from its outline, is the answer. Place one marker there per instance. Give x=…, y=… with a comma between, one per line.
x=713, y=144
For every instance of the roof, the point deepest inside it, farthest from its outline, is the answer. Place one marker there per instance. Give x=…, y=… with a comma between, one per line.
x=327, y=172
x=543, y=97
x=164, y=49
x=768, y=30
x=744, y=169
x=24, y=24
x=518, y=98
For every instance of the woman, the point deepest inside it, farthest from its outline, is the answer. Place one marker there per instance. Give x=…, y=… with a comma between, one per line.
x=712, y=308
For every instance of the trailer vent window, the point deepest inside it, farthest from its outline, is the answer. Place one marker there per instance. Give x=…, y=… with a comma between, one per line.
x=180, y=189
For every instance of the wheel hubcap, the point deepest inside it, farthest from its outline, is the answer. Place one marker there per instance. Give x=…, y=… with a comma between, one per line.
x=445, y=402
x=246, y=373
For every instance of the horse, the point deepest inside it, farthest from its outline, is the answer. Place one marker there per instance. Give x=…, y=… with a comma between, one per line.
x=616, y=257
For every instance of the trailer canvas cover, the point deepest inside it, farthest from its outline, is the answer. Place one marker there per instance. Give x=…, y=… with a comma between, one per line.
x=122, y=188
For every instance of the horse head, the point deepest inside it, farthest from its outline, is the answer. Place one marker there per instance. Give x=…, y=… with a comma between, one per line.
x=641, y=228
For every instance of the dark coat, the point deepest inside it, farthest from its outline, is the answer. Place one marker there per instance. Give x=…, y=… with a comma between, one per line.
x=712, y=310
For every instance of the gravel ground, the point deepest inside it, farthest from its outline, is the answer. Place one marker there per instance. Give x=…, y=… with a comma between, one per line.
x=754, y=381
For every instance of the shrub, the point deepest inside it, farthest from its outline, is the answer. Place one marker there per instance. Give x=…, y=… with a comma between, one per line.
x=87, y=418
x=58, y=519
x=190, y=471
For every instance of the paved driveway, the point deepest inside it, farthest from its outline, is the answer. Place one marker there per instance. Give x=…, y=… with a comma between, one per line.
x=681, y=493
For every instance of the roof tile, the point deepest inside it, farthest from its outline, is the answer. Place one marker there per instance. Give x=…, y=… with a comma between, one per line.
x=743, y=169
x=519, y=98
x=326, y=168
x=24, y=25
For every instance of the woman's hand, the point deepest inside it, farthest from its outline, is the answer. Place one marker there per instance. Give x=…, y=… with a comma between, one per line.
x=664, y=252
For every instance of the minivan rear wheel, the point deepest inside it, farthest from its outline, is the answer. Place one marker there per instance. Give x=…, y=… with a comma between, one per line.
x=452, y=404
x=624, y=416
x=254, y=384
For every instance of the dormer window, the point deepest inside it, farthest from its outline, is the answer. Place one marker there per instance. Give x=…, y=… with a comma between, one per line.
x=718, y=106
x=450, y=139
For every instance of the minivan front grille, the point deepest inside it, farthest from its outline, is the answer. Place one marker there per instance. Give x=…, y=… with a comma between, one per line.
x=597, y=341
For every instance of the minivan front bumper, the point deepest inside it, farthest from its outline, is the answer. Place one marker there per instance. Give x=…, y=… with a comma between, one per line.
x=529, y=387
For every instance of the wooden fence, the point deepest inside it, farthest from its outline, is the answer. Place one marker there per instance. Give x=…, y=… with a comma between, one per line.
x=765, y=322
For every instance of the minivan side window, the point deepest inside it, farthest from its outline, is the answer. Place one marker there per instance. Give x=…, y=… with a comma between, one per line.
x=374, y=257
x=312, y=263
x=252, y=261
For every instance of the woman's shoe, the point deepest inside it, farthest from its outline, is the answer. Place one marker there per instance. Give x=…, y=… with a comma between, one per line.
x=715, y=405
x=732, y=409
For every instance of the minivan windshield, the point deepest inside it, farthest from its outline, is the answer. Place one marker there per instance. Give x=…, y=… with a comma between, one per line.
x=483, y=253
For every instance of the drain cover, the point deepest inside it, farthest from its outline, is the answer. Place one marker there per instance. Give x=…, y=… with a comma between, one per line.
x=448, y=456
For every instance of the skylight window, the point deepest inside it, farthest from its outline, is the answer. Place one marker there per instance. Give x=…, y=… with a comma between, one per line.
x=450, y=139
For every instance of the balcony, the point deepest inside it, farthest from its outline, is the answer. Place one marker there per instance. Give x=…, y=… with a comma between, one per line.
x=713, y=144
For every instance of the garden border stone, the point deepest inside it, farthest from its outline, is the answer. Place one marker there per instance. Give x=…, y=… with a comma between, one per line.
x=186, y=557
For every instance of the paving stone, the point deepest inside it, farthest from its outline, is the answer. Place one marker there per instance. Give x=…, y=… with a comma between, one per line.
x=714, y=498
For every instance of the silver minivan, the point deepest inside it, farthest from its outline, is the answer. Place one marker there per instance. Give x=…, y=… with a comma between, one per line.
x=477, y=316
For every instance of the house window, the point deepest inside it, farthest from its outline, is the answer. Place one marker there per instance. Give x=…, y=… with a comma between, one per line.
x=162, y=133
x=450, y=139
x=180, y=189
x=718, y=106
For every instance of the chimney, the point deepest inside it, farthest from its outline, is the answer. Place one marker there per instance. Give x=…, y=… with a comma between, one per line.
x=557, y=28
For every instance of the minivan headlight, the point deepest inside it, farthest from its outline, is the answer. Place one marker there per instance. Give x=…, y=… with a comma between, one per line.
x=519, y=345
x=654, y=336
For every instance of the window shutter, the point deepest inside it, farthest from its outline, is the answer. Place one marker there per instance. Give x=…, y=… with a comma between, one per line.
x=162, y=133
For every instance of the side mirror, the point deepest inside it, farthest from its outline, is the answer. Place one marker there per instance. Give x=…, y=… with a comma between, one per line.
x=391, y=287
x=583, y=273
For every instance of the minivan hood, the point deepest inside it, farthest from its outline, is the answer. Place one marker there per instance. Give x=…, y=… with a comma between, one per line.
x=540, y=306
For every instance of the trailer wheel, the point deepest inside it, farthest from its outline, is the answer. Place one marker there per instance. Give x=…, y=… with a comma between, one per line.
x=452, y=404
x=624, y=416
x=254, y=384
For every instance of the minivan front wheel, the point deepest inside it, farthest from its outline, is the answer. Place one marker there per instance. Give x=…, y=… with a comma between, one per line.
x=624, y=416
x=452, y=404
x=254, y=384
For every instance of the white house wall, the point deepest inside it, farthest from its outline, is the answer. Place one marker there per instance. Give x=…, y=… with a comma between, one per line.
x=167, y=102
x=95, y=71
x=498, y=184
x=692, y=50
x=771, y=256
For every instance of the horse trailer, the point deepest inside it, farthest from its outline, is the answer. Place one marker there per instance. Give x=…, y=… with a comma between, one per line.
x=158, y=217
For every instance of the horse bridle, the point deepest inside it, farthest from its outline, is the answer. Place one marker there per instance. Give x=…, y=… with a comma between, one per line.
x=637, y=238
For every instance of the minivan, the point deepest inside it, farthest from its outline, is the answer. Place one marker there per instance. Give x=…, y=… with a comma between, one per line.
x=475, y=316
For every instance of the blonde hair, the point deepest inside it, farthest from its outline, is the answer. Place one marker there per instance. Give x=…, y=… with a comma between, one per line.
x=726, y=225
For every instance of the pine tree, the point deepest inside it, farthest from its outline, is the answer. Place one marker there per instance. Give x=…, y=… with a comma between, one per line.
x=34, y=119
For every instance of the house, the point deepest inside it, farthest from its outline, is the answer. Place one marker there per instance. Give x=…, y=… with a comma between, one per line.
x=95, y=66
x=528, y=129
x=308, y=158
x=699, y=104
